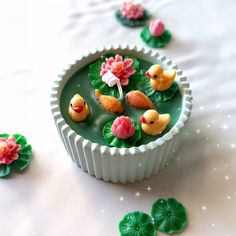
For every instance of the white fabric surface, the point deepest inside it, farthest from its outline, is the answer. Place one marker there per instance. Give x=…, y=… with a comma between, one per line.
x=54, y=197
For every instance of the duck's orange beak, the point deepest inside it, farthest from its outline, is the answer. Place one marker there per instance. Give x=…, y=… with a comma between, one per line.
x=147, y=74
x=78, y=108
x=143, y=120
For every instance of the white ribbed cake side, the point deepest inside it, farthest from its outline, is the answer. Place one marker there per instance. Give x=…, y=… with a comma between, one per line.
x=120, y=164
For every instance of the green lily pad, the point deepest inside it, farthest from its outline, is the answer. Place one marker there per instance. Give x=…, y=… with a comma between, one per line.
x=97, y=83
x=137, y=224
x=155, y=42
x=132, y=23
x=4, y=135
x=20, y=139
x=165, y=95
x=145, y=86
x=113, y=141
x=4, y=170
x=20, y=164
x=24, y=156
x=169, y=216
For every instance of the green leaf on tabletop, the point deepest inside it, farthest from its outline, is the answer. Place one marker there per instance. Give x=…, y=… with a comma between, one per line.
x=169, y=216
x=4, y=135
x=20, y=139
x=4, y=170
x=24, y=156
x=20, y=164
x=137, y=224
x=132, y=23
x=155, y=42
x=26, y=149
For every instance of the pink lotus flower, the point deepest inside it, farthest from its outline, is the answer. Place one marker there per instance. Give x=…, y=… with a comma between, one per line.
x=156, y=28
x=123, y=127
x=121, y=69
x=8, y=150
x=131, y=11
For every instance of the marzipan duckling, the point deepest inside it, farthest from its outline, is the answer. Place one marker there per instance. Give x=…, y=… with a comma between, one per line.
x=153, y=123
x=109, y=103
x=78, y=109
x=160, y=80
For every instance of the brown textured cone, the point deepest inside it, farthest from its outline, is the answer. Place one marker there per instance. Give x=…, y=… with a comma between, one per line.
x=139, y=100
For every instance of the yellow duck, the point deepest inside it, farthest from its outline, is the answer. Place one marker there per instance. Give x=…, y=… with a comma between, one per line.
x=153, y=123
x=160, y=80
x=78, y=109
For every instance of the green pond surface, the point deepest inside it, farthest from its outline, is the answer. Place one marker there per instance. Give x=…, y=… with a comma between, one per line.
x=91, y=128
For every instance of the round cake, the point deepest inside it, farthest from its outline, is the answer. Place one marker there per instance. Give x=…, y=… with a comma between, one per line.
x=115, y=118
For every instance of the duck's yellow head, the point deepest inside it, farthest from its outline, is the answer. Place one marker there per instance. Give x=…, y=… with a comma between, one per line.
x=150, y=117
x=77, y=103
x=154, y=72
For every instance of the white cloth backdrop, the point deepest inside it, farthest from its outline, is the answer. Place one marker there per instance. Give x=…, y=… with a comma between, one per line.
x=54, y=197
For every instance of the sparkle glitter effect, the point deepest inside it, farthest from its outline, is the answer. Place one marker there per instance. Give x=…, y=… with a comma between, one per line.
x=225, y=126
x=227, y=177
x=149, y=188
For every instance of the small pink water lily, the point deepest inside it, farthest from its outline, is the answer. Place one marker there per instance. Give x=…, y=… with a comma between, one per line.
x=8, y=150
x=123, y=127
x=156, y=28
x=121, y=69
x=132, y=11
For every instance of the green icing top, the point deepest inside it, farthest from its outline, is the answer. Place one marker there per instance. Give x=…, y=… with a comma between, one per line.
x=92, y=127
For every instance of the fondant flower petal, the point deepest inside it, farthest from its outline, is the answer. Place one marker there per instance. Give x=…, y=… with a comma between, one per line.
x=118, y=58
x=127, y=63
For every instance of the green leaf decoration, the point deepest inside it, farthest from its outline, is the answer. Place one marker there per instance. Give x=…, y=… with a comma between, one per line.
x=145, y=86
x=96, y=80
x=4, y=136
x=137, y=224
x=169, y=216
x=165, y=95
x=113, y=141
x=20, y=139
x=20, y=164
x=136, y=62
x=26, y=149
x=4, y=170
x=24, y=157
x=132, y=23
x=155, y=42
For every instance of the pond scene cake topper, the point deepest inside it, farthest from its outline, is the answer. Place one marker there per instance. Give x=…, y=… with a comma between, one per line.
x=130, y=94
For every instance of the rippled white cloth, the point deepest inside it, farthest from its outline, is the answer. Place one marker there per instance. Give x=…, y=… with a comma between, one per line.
x=37, y=38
